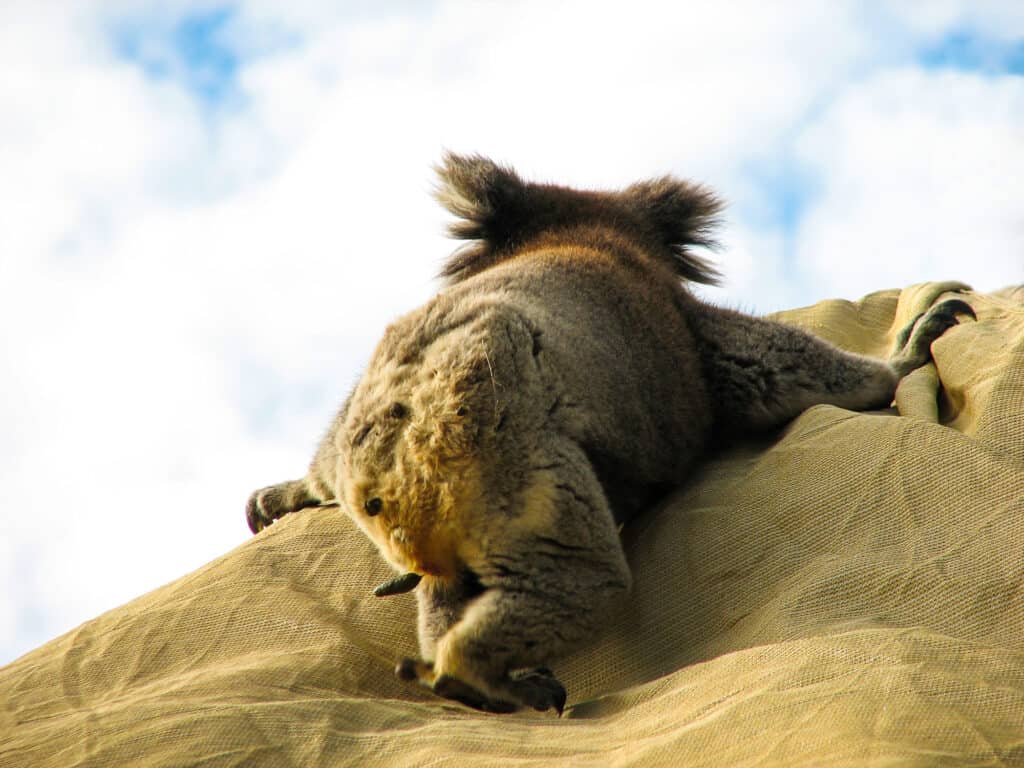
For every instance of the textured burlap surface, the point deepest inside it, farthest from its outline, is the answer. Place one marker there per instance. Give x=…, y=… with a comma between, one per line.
x=846, y=592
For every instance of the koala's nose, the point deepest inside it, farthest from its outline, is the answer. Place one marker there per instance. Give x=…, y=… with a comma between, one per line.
x=373, y=506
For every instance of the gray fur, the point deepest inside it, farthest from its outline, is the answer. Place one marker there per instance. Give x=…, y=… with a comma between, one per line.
x=562, y=381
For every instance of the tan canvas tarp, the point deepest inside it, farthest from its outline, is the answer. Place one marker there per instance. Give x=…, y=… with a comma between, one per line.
x=848, y=592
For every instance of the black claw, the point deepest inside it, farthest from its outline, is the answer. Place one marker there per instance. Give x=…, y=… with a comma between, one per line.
x=539, y=689
x=944, y=315
x=533, y=688
x=559, y=702
x=556, y=695
x=406, y=670
x=936, y=321
x=942, y=318
x=954, y=307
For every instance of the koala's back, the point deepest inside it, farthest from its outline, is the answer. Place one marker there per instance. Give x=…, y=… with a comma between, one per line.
x=615, y=337
x=581, y=336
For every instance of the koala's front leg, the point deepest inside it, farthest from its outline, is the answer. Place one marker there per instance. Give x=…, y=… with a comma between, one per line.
x=275, y=501
x=316, y=489
x=543, y=589
x=763, y=373
x=914, y=342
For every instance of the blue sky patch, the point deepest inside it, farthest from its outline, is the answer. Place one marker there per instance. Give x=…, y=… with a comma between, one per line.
x=968, y=51
x=194, y=48
x=782, y=190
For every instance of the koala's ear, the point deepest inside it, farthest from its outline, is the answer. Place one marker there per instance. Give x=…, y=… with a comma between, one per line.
x=498, y=211
x=678, y=214
x=493, y=207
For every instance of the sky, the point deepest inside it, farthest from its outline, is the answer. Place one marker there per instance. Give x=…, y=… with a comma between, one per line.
x=212, y=209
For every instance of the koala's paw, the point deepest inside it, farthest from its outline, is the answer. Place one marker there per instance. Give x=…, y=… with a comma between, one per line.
x=536, y=688
x=275, y=501
x=914, y=342
x=449, y=687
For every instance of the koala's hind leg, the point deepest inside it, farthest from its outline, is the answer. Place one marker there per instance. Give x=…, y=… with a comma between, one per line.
x=489, y=680
x=762, y=373
x=543, y=589
x=441, y=604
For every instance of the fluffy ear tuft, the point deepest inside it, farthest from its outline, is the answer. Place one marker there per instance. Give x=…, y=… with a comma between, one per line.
x=498, y=212
x=682, y=214
x=490, y=201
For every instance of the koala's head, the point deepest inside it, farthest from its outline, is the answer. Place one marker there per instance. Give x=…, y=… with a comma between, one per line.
x=422, y=430
x=499, y=212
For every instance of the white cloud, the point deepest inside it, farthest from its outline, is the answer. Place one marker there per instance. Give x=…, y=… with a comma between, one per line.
x=996, y=19
x=916, y=189
x=186, y=293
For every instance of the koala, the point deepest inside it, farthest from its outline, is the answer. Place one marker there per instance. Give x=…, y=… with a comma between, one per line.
x=561, y=382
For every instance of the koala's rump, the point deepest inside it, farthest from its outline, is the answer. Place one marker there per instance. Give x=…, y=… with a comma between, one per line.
x=614, y=348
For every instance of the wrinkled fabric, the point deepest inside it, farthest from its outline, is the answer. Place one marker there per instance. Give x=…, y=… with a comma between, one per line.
x=848, y=591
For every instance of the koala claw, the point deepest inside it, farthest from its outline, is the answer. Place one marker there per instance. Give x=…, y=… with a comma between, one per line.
x=538, y=688
x=913, y=342
x=410, y=669
x=946, y=312
x=275, y=501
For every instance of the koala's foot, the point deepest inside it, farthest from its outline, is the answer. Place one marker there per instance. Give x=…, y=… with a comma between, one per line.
x=536, y=688
x=275, y=501
x=449, y=687
x=914, y=341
